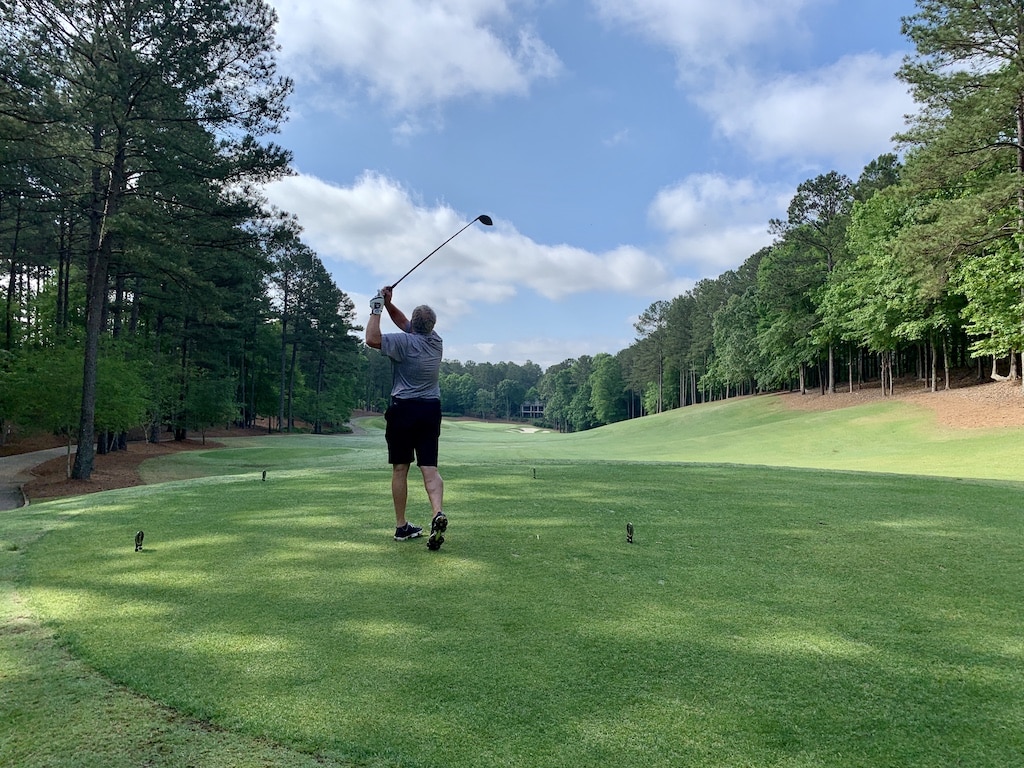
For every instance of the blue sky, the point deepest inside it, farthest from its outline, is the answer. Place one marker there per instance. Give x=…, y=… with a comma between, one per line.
x=624, y=148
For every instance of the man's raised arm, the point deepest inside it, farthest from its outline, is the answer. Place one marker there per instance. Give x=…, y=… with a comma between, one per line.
x=397, y=316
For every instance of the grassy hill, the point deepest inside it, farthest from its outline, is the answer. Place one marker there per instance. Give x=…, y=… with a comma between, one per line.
x=887, y=436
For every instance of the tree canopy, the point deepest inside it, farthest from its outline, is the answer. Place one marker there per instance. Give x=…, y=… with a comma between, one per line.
x=132, y=145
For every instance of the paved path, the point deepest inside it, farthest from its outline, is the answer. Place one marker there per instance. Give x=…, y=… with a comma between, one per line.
x=14, y=472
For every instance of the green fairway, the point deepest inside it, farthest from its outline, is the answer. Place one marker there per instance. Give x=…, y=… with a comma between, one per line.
x=890, y=437
x=766, y=615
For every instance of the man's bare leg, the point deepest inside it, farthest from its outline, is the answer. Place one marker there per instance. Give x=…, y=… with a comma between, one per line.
x=434, y=486
x=400, y=492
x=435, y=492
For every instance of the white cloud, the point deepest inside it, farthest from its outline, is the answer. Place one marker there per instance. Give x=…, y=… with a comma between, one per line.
x=845, y=113
x=705, y=34
x=413, y=54
x=382, y=230
x=715, y=223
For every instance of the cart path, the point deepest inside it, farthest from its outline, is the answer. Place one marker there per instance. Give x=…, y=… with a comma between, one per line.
x=14, y=471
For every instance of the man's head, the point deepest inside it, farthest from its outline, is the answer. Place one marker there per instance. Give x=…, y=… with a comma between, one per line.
x=422, y=320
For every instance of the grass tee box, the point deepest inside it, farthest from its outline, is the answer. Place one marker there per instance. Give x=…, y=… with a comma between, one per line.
x=761, y=616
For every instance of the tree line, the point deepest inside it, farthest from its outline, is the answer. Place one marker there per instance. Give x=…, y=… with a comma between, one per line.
x=915, y=268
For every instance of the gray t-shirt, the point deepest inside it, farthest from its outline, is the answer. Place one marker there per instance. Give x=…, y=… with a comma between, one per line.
x=415, y=364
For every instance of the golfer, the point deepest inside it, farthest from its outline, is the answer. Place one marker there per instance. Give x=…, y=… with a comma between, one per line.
x=414, y=414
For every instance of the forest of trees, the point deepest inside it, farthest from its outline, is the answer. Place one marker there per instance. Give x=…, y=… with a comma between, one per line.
x=914, y=269
x=149, y=285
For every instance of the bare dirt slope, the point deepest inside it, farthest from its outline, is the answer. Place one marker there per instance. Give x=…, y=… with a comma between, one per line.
x=966, y=405
x=111, y=470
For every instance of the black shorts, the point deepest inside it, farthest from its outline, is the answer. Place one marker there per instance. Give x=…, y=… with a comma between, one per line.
x=413, y=429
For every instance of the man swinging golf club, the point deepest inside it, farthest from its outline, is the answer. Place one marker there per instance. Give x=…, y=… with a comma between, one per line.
x=414, y=414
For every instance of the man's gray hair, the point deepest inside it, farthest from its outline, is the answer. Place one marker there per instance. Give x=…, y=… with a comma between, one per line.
x=423, y=320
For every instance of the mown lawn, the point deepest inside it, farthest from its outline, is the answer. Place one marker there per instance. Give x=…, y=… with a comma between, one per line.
x=764, y=616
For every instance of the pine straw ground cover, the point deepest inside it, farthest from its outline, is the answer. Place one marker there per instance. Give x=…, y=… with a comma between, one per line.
x=762, y=617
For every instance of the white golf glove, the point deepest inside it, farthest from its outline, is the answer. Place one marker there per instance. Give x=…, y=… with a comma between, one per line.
x=376, y=305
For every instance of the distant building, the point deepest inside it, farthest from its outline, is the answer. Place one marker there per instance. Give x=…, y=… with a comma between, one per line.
x=534, y=410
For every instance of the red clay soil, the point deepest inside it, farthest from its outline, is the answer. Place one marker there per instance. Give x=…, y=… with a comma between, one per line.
x=118, y=469
x=966, y=405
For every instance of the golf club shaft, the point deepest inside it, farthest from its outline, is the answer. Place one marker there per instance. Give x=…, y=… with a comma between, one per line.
x=484, y=219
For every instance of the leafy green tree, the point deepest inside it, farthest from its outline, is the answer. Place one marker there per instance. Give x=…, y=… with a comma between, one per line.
x=876, y=291
x=816, y=223
x=581, y=409
x=211, y=401
x=331, y=356
x=9, y=395
x=880, y=173
x=651, y=351
x=651, y=397
x=527, y=375
x=46, y=391
x=678, y=347
x=458, y=393
x=377, y=382
x=318, y=353
x=197, y=303
x=708, y=297
x=736, y=351
x=576, y=393
x=993, y=284
x=607, y=389
x=788, y=279
x=865, y=294
x=631, y=387
x=292, y=260
x=558, y=388
x=484, y=403
x=122, y=396
x=510, y=394
x=143, y=93
x=966, y=144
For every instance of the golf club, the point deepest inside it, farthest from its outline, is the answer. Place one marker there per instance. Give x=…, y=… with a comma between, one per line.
x=482, y=218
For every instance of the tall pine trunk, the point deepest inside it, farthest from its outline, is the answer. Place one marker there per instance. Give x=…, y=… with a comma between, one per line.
x=106, y=201
x=284, y=356
x=1020, y=208
x=831, y=369
x=12, y=285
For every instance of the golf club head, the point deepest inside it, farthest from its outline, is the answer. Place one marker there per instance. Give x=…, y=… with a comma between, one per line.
x=484, y=219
